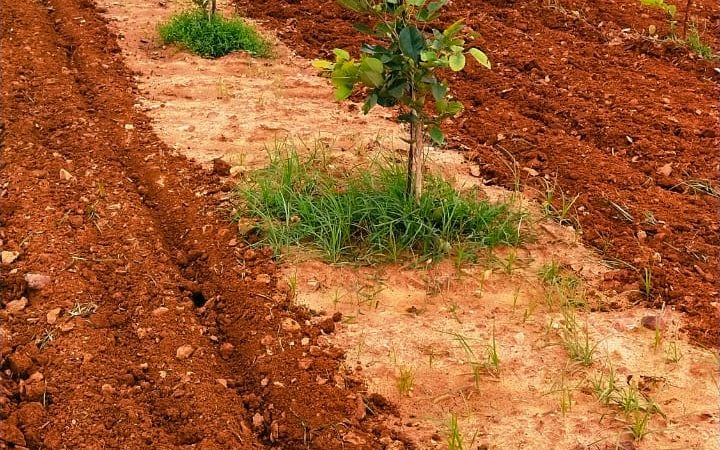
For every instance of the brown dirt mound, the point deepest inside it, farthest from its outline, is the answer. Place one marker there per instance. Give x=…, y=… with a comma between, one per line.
x=130, y=316
x=579, y=95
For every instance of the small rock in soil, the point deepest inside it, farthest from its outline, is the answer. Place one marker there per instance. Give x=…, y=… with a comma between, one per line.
x=65, y=175
x=327, y=325
x=653, y=323
x=16, y=306
x=10, y=434
x=20, y=364
x=7, y=257
x=34, y=388
x=37, y=281
x=226, y=349
x=221, y=167
x=304, y=363
x=290, y=325
x=76, y=221
x=159, y=311
x=337, y=317
x=263, y=278
x=665, y=170
x=184, y=351
x=257, y=420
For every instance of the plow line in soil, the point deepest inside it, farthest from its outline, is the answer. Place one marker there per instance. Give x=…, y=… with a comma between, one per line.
x=131, y=316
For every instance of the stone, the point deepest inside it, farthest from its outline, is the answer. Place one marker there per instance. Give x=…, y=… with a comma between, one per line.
x=66, y=176
x=159, y=311
x=263, y=278
x=33, y=389
x=290, y=325
x=665, y=170
x=20, y=364
x=184, y=351
x=37, y=281
x=304, y=363
x=16, y=306
x=653, y=323
x=226, y=349
x=8, y=257
x=257, y=420
x=220, y=167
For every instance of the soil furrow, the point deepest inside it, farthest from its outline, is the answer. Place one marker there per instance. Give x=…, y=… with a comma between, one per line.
x=153, y=327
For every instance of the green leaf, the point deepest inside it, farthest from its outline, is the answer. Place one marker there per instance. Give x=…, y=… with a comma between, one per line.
x=416, y=2
x=342, y=91
x=438, y=91
x=373, y=64
x=448, y=109
x=412, y=42
x=370, y=103
x=457, y=62
x=453, y=29
x=437, y=135
x=353, y=5
x=370, y=78
x=428, y=55
x=480, y=57
x=341, y=55
x=322, y=64
x=361, y=27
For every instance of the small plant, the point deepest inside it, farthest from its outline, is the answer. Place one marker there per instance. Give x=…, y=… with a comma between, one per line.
x=605, y=386
x=493, y=358
x=647, y=283
x=47, y=337
x=694, y=41
x=212, y=36
x=366, y=215
x=399, y=69
x=83, y=309
x=455, y=437
x=561, y=213
x=576, y=339
x=628, y=398
x=405, y=381
x=551, y=273
x=673, y=352
x=638, y=426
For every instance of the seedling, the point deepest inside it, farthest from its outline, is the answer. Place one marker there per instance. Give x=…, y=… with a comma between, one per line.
x=83, y=309
x=559, y=213
x=47, y=337
x=647, y=283
x=550, y=273
x=405, y=381
x=399, y=70
x=673, y=352
x=493, y=358
x=576, y=339
x=455, y=438
x=638, y=426
x=604, y=386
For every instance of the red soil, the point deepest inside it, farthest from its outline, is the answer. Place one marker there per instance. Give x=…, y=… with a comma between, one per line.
x=191, y=344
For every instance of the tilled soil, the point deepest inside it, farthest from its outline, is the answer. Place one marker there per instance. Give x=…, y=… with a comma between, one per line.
x=581, y=96
x=130, y=314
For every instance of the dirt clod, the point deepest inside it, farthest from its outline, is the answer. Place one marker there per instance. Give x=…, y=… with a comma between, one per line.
x=37, y=281
x=184, y=351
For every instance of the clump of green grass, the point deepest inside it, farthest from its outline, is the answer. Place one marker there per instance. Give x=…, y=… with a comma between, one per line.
x=365, y=215
x=212, y=37
x=696, y=44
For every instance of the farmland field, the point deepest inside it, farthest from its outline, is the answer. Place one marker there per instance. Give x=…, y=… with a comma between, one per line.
x=136, y=311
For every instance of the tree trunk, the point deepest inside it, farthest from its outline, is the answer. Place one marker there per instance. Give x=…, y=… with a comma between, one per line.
x=212, y=7
x=415, y=161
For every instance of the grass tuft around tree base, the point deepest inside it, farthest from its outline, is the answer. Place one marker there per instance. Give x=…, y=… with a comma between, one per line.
x=365, y=216
x=212, y=37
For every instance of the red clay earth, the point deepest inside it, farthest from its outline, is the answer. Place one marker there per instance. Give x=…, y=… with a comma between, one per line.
x=132, y=317
x=579, y=94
